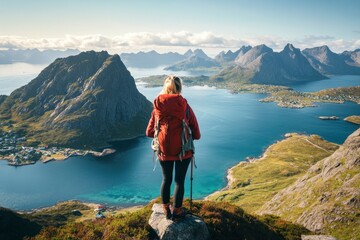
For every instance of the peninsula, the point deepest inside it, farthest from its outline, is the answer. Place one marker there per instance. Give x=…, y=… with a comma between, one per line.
x=302, y=179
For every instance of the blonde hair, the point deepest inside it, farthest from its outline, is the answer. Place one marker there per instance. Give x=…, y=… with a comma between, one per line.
x=172, y=85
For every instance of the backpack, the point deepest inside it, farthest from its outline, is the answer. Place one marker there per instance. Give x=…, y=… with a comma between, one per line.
x=165, y=129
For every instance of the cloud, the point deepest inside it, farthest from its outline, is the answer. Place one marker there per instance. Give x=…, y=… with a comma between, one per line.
x=171, y=41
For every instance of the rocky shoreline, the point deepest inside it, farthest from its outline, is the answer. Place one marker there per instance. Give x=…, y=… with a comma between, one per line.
x=47, y=155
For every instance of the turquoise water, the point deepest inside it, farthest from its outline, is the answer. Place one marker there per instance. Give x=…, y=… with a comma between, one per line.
x=233, y=127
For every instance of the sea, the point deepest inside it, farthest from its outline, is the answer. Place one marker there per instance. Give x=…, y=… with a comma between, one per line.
x=233, y=127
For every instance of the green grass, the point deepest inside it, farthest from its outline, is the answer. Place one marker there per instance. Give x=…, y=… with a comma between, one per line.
x=257, y=182
x=224, y=221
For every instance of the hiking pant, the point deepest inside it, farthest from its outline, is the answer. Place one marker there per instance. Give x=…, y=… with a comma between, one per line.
x=180, y=173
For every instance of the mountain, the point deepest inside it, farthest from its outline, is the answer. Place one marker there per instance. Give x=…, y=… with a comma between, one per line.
x=327, y=197
x=229, y=56
x=328, y=62
x=34, y=56
x=263, y=66
x=150, y=59
x=195, y=60
x=247, y=57
x=85, y=100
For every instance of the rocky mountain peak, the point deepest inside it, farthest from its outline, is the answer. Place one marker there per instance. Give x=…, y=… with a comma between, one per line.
x=290, y=50
x=252, y=54
x=92, y=94
x=200, y=53
x=188, y=53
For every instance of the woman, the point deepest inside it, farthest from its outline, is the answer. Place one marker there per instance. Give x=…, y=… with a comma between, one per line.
x=170, y=108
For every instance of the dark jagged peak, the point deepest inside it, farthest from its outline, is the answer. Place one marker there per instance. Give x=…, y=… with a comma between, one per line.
x=252, y=54
x=243, y=50
x=291, y=51
x=290, y=48
x=86, y=99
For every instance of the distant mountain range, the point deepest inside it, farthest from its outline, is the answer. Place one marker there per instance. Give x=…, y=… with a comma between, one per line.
x=80, y=101
x=262, y=65
x=34, y=56
x=150, y=59
x=194, y=60
x=328, y=62
x=259, y=64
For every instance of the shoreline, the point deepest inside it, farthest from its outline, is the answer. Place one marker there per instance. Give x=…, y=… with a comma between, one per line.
x=249, y=160
x=89, y=214
x=58, y=156
x=230, y=178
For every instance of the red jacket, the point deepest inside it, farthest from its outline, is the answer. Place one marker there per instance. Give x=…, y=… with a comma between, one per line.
x=170, y=106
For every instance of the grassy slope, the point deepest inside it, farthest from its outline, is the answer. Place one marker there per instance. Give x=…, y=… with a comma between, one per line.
x=224, y=221
x=283, y=163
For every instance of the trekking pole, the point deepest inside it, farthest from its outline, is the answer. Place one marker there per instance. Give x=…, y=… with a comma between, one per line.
x=191, y=181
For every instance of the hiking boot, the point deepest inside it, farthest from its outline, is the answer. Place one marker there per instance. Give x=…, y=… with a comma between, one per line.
x=167, y=212
x=179, y=213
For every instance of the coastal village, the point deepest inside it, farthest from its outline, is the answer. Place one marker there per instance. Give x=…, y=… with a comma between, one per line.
x=13, y=149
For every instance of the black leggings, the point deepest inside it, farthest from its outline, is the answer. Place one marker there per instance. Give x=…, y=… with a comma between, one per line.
x=180, y=173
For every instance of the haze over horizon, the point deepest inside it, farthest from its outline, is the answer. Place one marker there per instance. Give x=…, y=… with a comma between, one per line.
x=118, y=26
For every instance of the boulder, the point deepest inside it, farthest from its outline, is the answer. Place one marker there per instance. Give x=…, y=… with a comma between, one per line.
x=189, y=228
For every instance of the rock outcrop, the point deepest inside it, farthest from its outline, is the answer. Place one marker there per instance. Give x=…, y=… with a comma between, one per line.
x=327, y=197
x=189, y=228
x=85, y=100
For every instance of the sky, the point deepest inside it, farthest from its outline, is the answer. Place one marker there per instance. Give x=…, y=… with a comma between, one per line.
x=168, y=25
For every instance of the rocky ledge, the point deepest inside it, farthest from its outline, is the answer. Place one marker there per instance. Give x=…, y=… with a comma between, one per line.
x=189, y=228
